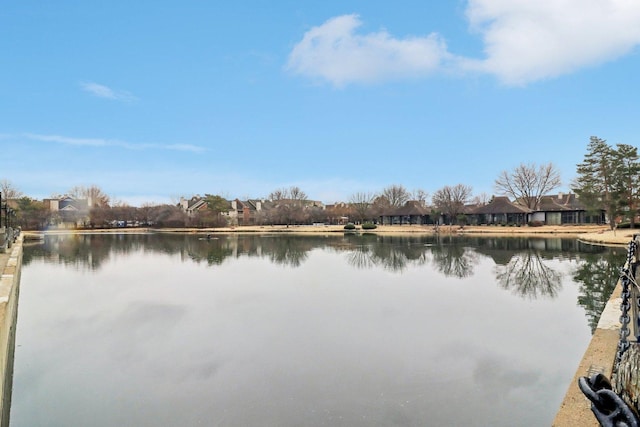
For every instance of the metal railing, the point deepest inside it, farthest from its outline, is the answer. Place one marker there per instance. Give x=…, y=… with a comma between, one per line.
x=608, y=402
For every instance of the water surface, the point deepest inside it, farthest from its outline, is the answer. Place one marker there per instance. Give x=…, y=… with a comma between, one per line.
x=284, y=330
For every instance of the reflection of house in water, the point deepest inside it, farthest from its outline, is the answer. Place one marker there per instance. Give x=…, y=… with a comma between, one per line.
x=503, y=248
x=499, y=256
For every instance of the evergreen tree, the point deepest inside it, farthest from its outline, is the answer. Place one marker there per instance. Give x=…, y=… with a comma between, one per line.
x=595, y=182
x=627, y=171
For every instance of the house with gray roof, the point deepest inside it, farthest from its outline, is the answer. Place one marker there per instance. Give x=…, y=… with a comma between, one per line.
x=500, y=210
x=68, y=212
x=565, y=209
x=557, y=209
x=412, y=212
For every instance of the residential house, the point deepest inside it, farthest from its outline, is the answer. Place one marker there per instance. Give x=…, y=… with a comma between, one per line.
x=412, y=212
x=338, y=213
x=248, y=212
x=557, y=209
x=237, y=212
x=193, y=205
x=500, y=211
x=565, y=209
x=69, y=212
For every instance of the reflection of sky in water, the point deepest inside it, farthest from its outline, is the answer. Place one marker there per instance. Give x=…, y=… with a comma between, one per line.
x=153, y=339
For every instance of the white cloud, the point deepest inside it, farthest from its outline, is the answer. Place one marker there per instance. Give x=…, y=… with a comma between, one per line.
x=529, y=40
x=99, y=142
x=524, y=41
x=102, y=91
x=333, y=52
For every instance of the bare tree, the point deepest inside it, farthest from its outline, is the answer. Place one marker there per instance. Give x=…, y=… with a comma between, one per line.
x=295, y=193
x=289, y=204
x=381, y=206
x=278, y=194
x=451, y=200
x=481, y=199
x=167, y=216
x=396, y=195
x=9, y=191
x=421, y=196
x=528, y=183
x=92, y=193
x=361, y=204
x=291, y=193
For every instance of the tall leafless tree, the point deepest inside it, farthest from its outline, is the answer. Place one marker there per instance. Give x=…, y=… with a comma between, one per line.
x=93, y=193
x=481, y=199
x=421, y=196
x=9, y=191
x=295, y=193
x=291, y=193
x=396, y=195
x=360, y=203
x=451, y=200
x=289, y=204
x=527, y=183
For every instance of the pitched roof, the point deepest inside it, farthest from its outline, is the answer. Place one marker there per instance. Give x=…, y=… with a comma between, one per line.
x=501, y=205
x=411, y=208
x=195, y=205
x=561, y=202
x=70, y=204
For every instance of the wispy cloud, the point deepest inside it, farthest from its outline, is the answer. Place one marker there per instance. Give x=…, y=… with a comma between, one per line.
x=99, y=142
x=524, y=41
x=102, y=91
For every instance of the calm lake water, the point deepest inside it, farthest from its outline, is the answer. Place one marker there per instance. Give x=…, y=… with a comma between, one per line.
x=284, y=330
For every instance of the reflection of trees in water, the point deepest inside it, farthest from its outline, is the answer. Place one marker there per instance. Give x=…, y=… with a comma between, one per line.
x=597, y=276
x=287, y=250
x=454, y=260
x=212, y=251
x=451, y=255
x=520, y=263
x=92, y=250
x=388, y=252
x=361, y=257
x=527, y=275
x=81, y=250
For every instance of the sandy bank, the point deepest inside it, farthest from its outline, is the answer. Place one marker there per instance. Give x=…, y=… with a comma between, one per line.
x=590, y=233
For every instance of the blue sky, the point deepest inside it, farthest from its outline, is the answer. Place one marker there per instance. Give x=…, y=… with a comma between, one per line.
x=153, y=100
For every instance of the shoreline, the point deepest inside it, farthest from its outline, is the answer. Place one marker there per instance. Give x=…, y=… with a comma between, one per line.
x=596, y=234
